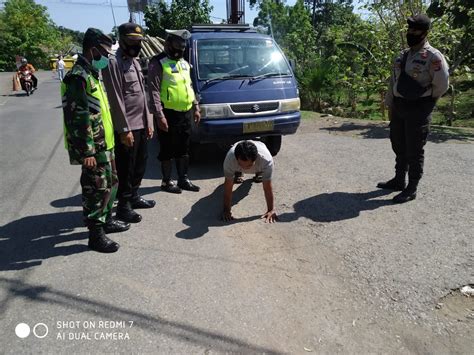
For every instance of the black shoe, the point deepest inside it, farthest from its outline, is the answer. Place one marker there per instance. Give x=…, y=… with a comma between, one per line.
x=128, y=215
x=140, y=202
x=170, y=186
x=115, y=226
x=187, y=185
x=405, y=196
x=99, y=242
x=394, y=184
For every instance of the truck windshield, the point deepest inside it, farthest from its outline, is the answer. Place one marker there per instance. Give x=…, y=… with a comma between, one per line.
x=239, y=57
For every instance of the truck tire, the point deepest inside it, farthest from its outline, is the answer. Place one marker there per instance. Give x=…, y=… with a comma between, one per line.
x=273, y=144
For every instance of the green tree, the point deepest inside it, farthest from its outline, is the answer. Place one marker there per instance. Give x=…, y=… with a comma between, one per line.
x=178, y=15
x=27, y=30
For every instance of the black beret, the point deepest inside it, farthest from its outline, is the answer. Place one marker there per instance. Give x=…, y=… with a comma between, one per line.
x=419, y=22
x=95, y=37
x=130, y=30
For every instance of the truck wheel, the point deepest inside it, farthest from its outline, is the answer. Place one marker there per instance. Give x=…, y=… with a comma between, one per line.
x=273, y=144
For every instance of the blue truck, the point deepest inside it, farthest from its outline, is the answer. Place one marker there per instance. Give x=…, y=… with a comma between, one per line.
x=245, y=85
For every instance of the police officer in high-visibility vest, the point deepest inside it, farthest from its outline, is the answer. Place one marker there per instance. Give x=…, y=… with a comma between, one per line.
x=419, y=79
x=174, y=107
x=89, y=139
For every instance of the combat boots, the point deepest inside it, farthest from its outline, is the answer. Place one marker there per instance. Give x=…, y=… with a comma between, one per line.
x=126, y=213
x=99, y=242
x=167, y=184
x=407, y=194
x=395, y=184
x=182, y=165
x=113, y=225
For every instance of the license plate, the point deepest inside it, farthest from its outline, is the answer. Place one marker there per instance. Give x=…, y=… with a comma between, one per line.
x=261, y=126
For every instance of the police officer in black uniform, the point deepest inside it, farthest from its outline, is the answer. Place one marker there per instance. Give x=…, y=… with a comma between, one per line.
x=419, y=78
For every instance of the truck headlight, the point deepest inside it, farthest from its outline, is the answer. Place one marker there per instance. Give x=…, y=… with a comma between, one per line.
x=290, y=105
x=214, y=111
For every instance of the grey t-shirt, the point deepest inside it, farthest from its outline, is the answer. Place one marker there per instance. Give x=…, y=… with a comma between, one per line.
x=263, y=164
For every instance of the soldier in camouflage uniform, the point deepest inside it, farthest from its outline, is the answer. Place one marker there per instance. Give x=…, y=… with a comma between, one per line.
x=89, y=139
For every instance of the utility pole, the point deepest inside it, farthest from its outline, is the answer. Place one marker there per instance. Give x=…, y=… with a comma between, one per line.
x=113, y=14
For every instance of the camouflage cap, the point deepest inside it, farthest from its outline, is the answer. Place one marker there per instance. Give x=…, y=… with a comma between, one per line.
x=130, y=30
x=95, y=37
x=184, y=34
x=419, y=22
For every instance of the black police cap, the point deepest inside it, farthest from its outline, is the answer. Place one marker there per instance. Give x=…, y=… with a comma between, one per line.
x=419, y=22
x=130, y=30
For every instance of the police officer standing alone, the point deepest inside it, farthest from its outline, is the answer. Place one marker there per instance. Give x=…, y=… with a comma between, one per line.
x=419, y=79
x=173, y=105
x=133, y=124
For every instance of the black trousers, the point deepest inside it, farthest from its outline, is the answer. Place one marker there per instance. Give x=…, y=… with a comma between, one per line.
x=175, y=142
x=131, y=164
x=409, y=129
x=35, y=80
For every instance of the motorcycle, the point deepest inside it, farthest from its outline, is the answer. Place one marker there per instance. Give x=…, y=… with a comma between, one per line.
x=26, y=82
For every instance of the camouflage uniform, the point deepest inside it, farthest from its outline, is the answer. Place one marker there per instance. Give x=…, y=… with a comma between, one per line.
x=88, y=132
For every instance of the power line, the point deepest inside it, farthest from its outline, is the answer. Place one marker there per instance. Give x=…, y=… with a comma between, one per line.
x=62, y=2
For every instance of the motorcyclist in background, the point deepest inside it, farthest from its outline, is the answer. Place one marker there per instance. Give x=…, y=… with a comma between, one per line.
x=26, y=66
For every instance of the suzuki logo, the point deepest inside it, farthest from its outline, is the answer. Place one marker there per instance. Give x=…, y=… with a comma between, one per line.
x=255, y=108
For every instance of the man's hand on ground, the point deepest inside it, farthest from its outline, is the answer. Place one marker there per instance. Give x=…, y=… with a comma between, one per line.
x=270, y=217
x=227, y=216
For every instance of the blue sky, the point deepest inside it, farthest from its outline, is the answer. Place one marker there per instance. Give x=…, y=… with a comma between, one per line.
x=81, y=14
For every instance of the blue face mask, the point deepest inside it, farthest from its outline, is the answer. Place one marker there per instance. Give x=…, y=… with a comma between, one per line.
x=101, y=63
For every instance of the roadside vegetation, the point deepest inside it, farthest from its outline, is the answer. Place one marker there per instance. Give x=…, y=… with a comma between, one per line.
x=343, y=55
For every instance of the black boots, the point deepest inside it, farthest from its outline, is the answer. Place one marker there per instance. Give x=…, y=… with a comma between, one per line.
x=139, y=202
x=99, y=242
x=126, y=213
x=182, y=165
x=166, y=184
x=407, y=194
x=395, y=184
x=113, y=225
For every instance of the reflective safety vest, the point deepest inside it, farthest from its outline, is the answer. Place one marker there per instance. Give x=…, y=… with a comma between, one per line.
x=176, y=86
x=99, y=115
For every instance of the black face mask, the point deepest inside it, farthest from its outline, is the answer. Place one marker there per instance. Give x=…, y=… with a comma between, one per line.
x=132, y=51
x=413, y=39
x=176, y=48
x=176, y=54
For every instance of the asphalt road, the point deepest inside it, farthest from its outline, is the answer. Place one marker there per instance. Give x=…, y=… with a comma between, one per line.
x=343, y=271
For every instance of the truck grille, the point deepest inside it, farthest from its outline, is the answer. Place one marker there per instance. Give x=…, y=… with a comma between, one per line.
x=255, y=107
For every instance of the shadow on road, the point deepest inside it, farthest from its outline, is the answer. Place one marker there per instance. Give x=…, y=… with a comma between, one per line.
x=206, y=212
x=149, y=322
x=28, y=241
x=373, y=131
x=73, y=201
x=336, y=206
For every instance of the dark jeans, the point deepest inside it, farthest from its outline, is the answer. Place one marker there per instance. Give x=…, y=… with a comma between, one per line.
x=131, y=164
x=175, y=142
x=409, y=129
